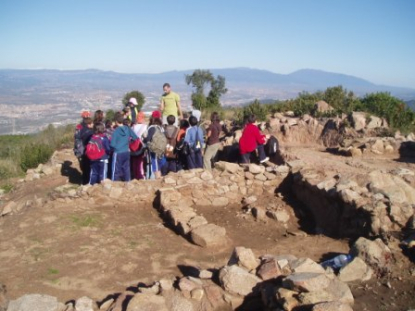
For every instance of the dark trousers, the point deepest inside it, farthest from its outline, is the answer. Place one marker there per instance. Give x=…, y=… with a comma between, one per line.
x=195, y=159
x=98, y=171
x=246, y=158
x=121, y=166
x=171, y=165
x=84, y=165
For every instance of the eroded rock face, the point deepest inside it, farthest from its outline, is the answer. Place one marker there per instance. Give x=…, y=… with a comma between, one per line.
x=379, y=203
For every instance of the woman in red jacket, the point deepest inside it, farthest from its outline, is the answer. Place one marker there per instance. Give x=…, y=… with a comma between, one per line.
x=252, y=140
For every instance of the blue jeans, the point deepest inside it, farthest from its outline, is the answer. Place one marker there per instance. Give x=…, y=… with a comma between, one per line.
x=246, y=158
x=121, y=166
x=98, y=171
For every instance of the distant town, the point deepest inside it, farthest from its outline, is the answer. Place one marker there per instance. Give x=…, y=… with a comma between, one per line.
x=30, y=100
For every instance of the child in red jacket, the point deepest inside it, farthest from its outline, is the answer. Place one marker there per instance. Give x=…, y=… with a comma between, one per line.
x=252, y=140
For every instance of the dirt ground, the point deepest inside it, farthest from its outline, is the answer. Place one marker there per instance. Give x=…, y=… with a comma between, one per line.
x=69, y=251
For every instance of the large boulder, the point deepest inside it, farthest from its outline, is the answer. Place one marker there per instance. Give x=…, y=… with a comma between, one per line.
x=147, y=302
x=392, y=187
x=374, y=253
x=374, y=122
x=322, y=106
x=35, y=302
x=237, y=280
x=306, y=281
x=332, y=306
x=209, y=235
x=85, y=304
x=358, y=120
x=244, y=257
x=356, y=270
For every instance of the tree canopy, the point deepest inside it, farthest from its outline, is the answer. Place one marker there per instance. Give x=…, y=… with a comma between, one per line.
x=137, y=95
x=199, y=79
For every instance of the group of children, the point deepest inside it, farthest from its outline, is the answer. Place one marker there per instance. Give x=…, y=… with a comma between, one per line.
x=126, y=148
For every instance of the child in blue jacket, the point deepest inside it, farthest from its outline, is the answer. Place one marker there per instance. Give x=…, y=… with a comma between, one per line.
x=194, y=137
x=120, y=144
x=99, y=167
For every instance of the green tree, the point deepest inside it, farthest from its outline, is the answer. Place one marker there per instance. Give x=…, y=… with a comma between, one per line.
x=257, y=109
x=217, y=89
x=336, y=97
x=109, y=114
x=137, y=95
x=391, y=108
x=199, y=80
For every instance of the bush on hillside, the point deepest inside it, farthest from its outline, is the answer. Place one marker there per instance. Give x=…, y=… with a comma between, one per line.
x=35, y=154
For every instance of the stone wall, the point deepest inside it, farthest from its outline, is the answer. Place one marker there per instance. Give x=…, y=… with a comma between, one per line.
x=373, y=204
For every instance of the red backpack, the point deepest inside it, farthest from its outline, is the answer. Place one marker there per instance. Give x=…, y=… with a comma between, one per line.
x=95, y=149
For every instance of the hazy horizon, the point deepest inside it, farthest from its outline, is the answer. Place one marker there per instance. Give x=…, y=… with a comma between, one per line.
x=369, y=39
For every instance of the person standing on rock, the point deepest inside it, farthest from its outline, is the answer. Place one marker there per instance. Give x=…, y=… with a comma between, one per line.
x=170, y=105
x=252, y=140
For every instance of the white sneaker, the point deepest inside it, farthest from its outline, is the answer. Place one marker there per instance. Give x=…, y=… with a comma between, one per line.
x=265, y=160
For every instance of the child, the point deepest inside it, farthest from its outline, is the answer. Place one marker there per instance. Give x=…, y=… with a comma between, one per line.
x=252, y=140
x=85, y=134
x=171, y=132
x=194, y=137
x=153, y=137
x=99, y=167
x=120, y=143
x=213, y=142
x=137, y=158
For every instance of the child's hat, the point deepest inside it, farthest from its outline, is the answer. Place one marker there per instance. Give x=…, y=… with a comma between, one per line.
x=85, y=114
x=156, y=114
x=133, y=101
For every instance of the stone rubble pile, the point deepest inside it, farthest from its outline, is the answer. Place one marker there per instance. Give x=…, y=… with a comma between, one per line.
x=269, y=282
x=380, y=202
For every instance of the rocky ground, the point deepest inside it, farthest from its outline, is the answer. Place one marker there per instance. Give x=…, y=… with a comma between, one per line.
x=238, y=238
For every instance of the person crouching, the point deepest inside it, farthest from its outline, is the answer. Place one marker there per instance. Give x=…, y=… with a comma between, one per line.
x=252, y=140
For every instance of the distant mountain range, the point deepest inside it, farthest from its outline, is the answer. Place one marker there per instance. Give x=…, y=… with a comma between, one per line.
x=31, y=99
x=244, y=84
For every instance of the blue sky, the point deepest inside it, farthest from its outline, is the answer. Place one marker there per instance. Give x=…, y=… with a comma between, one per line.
x=371, y=39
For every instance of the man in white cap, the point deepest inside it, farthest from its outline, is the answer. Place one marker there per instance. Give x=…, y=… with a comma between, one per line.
x=132, y=103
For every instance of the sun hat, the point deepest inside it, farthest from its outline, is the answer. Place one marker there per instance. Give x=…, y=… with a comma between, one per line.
x=133, y=101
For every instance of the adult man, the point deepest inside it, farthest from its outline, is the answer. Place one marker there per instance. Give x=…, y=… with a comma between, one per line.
x=170, y=104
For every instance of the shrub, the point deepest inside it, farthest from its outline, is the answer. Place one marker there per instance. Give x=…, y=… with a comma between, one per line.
x=34, y=154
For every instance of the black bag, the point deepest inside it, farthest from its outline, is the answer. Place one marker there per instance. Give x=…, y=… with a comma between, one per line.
x=272, y=146
x=182, y=148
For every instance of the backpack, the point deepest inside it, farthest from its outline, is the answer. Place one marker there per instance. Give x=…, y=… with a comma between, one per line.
x=136, y=147
x=172, y=141
x=79, y=148
x=158, y=143
x=272, y=146
x=95, y=148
